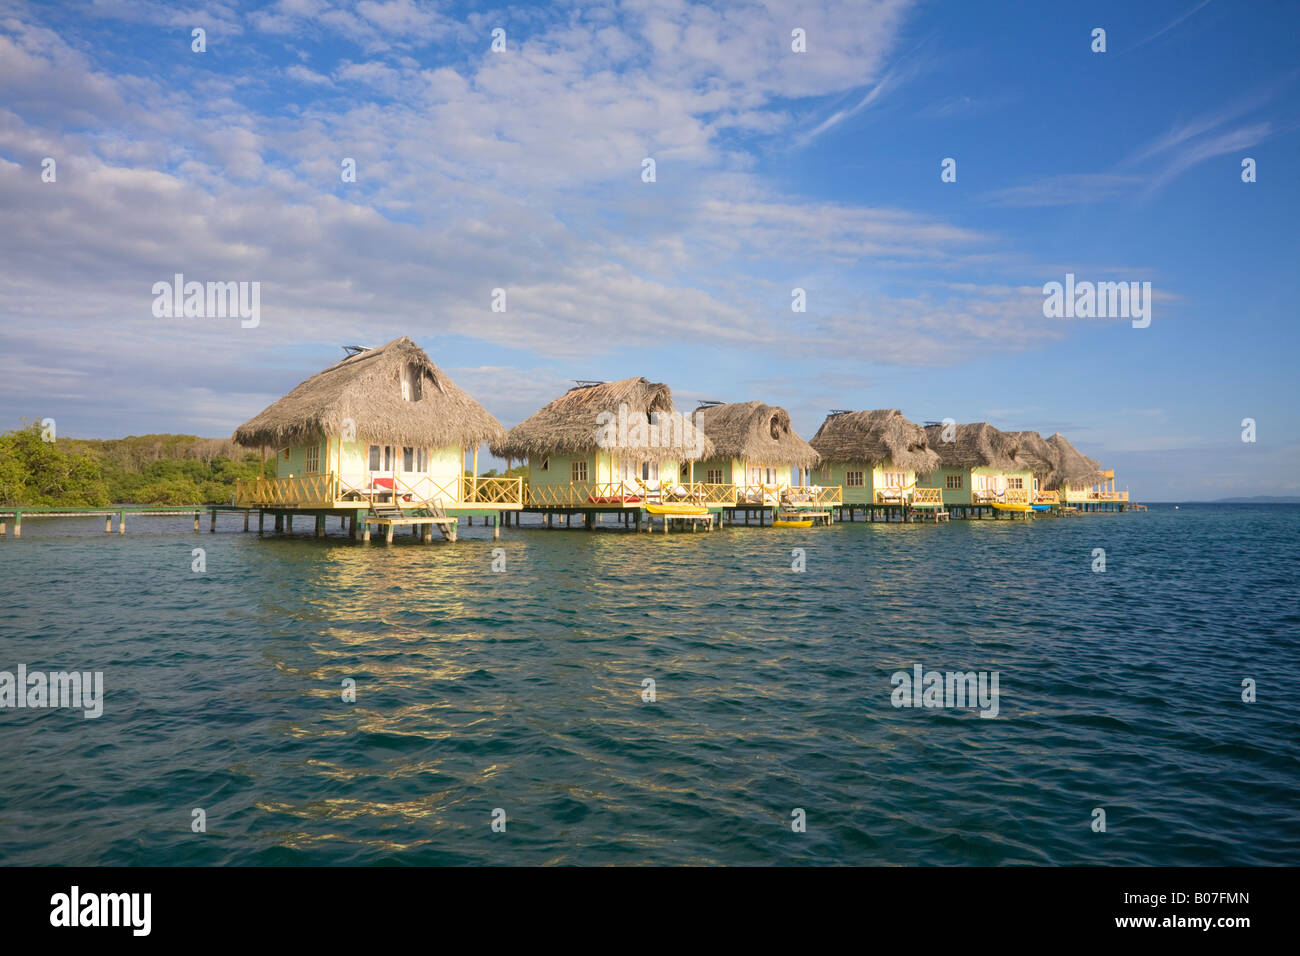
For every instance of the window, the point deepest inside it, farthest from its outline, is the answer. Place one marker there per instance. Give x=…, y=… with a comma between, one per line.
x=286, y=454
x=579, y=471
x=755, y=475
x=408, y=459
x=545, y=465
x=381, y=457
x=313, y=459
x=629, y=470
x=1017, y=483
x=422, y=459
x=411, y=390
x=952, y=482
x=713, y=476
x=893, y=479
x=854, y=479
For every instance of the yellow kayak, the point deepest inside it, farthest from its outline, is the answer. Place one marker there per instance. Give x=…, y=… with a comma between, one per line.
x=999, y=506
x=671, y=510
x=786, y=519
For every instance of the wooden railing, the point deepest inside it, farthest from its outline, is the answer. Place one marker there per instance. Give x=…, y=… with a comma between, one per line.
x=299, y=491
x=494, y=491
x=699, y=493
x=580, y=494
x=1047, y=497
x=927, y=498
x=1087, y=494
x=327, y=491
x=896, y=495
x=1011, y=496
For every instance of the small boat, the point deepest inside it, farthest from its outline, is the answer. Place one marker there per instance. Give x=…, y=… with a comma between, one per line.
x=1042, y=507
x=791, y=519
x=1003, y=506
x=676, y=510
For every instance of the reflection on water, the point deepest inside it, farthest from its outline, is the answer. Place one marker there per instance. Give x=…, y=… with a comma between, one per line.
x=522, y=690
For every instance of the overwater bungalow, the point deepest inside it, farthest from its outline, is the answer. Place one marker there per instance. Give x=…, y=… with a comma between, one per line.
x=757, y=452
x=384, y=424
x=605, y=445
x=1082, y=479
x=1034, y=451
x=978, y=467
x=876, y=456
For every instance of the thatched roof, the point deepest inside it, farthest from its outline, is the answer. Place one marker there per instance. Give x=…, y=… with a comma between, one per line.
x=754, y=432
x=1035, y=454
x=1072, y=467
x=366, y=388
x=877, y=437
x=978, y=445
x=572, y=425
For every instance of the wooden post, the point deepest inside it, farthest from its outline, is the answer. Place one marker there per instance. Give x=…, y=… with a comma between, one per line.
x=245, y=522
x=108, y=524
x=388, y=533
x=261, y=515
x=320, y=526
x=279, y=524
x=2, y=529
x=365, y=534
x=121, y=522
x=496, y=529
x=288, y=524
x=196, y=522
x=212, y=525
x=18, y=524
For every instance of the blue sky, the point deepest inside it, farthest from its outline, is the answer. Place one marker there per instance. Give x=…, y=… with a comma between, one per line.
x=774, y=170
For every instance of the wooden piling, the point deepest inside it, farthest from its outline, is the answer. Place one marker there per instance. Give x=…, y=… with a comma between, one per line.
x=108, y=524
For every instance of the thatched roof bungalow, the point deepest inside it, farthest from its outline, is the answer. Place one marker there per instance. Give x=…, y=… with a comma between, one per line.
x=604, y=443
x=978, y=464
x=877, y=456
x=1077, y=475
x=754, y=446
x=379, y=416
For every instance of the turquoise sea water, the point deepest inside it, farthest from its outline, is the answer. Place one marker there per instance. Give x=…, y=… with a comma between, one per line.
x=522, y=690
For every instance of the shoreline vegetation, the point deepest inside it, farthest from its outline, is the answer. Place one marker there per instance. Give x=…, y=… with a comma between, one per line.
x=160, y=469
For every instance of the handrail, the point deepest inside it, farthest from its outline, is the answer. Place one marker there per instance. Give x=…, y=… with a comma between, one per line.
x=329, y=491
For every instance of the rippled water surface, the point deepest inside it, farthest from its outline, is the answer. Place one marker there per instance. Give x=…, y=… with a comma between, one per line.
x=523, y=690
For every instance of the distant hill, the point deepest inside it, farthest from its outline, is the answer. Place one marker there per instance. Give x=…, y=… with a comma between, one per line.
x=1261, y=500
